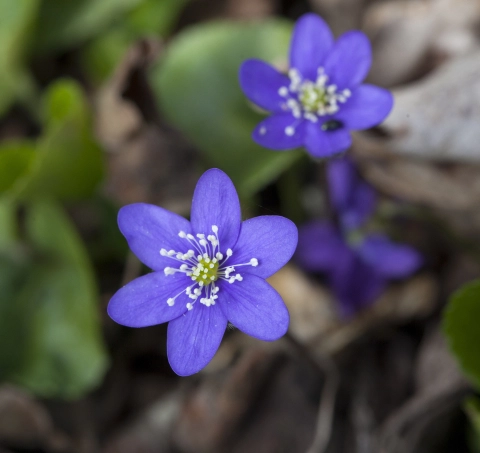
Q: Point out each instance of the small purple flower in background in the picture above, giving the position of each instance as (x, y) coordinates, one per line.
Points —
(322, 97)
(357, 271)
(352, 198)
(358, 267)
(207, 272)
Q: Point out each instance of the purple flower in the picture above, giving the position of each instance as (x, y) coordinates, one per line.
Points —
(352, 198)
(322, 97)
(357, 270)
(207, 272)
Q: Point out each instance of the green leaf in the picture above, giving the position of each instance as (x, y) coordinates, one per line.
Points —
(156, 17)
(65, 356)
(68, 164)
(66, 23)
(16, 159)
(461, 326)
(197, 86)
(150, 18)
(472, 409)
(16, 21)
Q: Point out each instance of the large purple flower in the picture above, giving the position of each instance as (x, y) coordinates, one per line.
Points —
(352, 198)
(207, 272)
(357, 270)
(322, 97)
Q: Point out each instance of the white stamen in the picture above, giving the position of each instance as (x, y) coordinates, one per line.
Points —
(263, 130)
(203, 269)
(311, 99)
(289, 130)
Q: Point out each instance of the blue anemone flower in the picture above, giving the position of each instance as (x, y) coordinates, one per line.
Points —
(358, 266)
(357, 270)
(206, 272)
(322, 96)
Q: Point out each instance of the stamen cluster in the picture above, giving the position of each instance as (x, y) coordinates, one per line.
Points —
(311, 100)
(204, 263)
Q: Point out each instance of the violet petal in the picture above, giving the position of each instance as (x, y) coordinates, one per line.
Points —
(353, 199)
(143, 301)
(260, 82)
(311, 41)
(368, 106)
(270, 239)
(320, 247)
(194, 337)
(254, 307)
(355, 284)
(271, 132)
(149, 228)
(326, 143)
(349, 61)
(215, 202)
(389, 259)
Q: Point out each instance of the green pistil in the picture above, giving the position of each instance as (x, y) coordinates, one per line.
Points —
(355, 238)
(312, 97)
(205, 271)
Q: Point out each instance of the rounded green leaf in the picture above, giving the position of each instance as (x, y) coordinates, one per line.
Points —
(197, 87)
(461, 326)
(16, 23)
(65, 356)
(16, 159)
(66, 23)
(68, 164)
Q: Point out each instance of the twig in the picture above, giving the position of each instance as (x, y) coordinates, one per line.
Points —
(323, 430)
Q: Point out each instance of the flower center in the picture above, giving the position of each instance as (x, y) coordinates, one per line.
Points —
(205, 271)
(204, 263)
(311, 100)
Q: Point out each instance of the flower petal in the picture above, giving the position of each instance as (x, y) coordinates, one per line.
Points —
(355, 284)
(193, 338)
(149, 228)
(311, 41)
(368, 106)
(254, 307)
(341, 177)
(360, 208)
(271, 134)
(320, 247)
(352, 198)
(143, 301)
(270, 239)
(349, 61)
(215, 202)
(326, 143)
(260, 82)
(389, 259)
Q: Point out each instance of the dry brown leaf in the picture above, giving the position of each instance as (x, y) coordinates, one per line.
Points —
(410, 37)
(215, 409)
(147, 160)
(428, 417)
(437, 118)
(150, 431)
(26, 424)
(315, 323)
